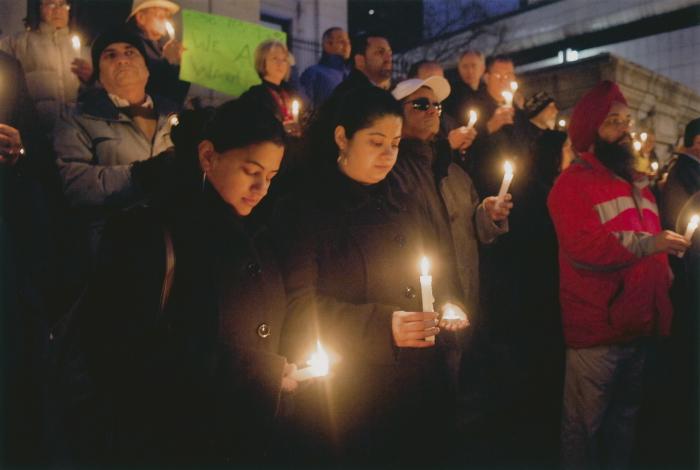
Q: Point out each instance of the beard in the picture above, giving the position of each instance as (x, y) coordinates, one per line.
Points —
(617, 156)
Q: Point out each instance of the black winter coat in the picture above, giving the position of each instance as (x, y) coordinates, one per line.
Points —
(353, 261)
(199, 383)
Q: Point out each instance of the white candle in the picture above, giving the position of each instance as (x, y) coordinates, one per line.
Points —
(295, 110)
(170, 29)
(654, 167)
(75, 40)
(472, 120)
(692, 225)
(319, 365)
(507, 178)
(426, 289)
(513, 86)
(508, 97)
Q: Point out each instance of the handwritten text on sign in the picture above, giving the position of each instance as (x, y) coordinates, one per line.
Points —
(220, 51)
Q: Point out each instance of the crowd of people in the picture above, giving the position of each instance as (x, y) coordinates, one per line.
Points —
(486, 286)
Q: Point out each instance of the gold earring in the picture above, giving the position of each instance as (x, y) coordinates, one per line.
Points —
(204, 179)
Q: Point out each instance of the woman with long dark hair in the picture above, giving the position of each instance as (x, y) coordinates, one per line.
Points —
(182, 325)
(352, 270)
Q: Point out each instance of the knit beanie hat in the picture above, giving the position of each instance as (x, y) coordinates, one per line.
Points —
(536, 103)
(691, 130)
(106, 39)
(590, 112)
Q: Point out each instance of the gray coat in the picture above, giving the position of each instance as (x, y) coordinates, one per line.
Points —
(96, 146)
(425, 169)
(46, 55)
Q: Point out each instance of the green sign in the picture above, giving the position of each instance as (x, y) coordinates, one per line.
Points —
(220, 51)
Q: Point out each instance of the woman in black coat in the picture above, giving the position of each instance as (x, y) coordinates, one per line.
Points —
(352, 266)
(198, 381)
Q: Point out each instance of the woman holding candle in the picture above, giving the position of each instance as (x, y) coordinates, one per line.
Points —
(273, 63)
(54, 68)
(352, 271)
(192, 374)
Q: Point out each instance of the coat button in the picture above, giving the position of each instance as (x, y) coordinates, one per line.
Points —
(253, 269)
(400, 239)
(410, 292)
(264, 330)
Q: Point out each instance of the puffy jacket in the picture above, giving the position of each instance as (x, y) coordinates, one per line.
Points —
(613, 289)
(46, 55)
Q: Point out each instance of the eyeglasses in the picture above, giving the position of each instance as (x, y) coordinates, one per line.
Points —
(617, 122)
(424, 104)
(54, 5)
(502, 76)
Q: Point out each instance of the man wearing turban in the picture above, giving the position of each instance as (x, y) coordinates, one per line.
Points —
(614, 281)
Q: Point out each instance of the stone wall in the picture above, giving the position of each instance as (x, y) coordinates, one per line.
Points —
(657, 102)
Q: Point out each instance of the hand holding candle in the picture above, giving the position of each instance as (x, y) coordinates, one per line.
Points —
(319, 366)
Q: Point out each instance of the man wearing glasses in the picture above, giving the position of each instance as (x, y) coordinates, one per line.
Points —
(424, 168)
(614, 281)
(54, 69)
(148, 21)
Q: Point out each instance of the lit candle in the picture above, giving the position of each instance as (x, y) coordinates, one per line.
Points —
(692, 225)
(295, 110)
(472, 120)
(451, 312)
(654, 167)
(319, 365)
(513, 86)
(508, 97)
(637, 146)
(174, 121)
(75, 40)
(507, 178)
(170, 29)
(562, 123)
(426, 289)
(643, 136)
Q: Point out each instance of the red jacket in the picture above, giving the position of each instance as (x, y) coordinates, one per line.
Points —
(612, 289)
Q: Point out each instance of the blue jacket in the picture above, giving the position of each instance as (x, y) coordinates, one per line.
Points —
(319, 81)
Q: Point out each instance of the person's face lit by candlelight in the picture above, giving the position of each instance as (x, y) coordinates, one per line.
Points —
(55, 13)
(471, 67)
(122, 70)
(421, 117)
(276, 65)
(369, 154)
(498, 78)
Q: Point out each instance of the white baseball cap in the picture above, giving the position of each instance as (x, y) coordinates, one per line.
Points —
(143, 4)
(439, 85)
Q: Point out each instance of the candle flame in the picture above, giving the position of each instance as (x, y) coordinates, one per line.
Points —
(562, 123)
(472, 118)
(75, 39)
(654, 167)
(637, 145)
(694, 221)
(513, 86)
(424, 266)
(295, 108)
(319, 362)
(643, 136)
(170, 29)
(174, 121)
(508, 168)
(453, 312)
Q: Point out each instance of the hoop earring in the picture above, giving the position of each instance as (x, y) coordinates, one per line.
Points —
(204, 180)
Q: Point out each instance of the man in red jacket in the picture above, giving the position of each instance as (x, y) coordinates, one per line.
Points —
(614, 281)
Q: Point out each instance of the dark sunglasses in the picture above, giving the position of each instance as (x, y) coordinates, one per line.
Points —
(424, 104)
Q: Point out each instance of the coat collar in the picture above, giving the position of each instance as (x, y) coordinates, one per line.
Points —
(96, 102)
(333, 61)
